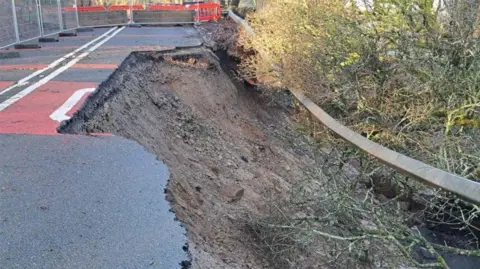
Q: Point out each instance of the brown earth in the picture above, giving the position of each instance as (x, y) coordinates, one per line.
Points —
(228, 149)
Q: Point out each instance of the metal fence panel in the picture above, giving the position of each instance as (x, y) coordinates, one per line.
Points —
(102, 13)
(163, 16)
(50, 16)
(7, 24)
(166, 12)
(35, 18)
(28, 19)
(69, 14)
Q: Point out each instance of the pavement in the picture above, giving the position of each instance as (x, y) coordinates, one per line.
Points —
(80, 201)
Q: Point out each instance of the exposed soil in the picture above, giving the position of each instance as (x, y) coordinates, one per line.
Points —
(227, 148)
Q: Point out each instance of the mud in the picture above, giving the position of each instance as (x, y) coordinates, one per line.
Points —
(227, 148)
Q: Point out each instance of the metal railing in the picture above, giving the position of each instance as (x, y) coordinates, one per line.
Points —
(25, 20)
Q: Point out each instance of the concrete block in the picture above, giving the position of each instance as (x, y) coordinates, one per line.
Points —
(27, 46)
(9, 54)
(48, 39)
(66, 34)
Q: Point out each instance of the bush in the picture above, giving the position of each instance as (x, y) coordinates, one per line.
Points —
(402, 75)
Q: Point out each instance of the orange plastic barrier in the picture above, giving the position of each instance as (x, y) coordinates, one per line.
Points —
(69, 9)
(205, 11)
(125, 7)
(167, 7)
(208, 12)
(91, 8)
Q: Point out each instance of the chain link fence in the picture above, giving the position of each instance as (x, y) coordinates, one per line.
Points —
(24, 20)
(102, 13)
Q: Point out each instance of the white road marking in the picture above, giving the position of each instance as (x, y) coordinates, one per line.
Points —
(61, 113)
(25, 80)
(55, 73)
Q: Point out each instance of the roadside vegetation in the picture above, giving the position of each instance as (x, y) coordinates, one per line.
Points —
(405, 75)
(402, 73)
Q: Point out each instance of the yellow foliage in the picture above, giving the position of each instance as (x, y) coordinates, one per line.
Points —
(390, 70)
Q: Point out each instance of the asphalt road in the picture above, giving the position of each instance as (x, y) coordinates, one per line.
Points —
(84, 202)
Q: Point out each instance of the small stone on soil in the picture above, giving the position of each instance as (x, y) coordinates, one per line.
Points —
(238, 196)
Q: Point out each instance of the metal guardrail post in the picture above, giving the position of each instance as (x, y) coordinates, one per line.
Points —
(15, 22)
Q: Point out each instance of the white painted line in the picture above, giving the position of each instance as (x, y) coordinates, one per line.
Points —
(25, 80)
(55, 73)
(61, 113)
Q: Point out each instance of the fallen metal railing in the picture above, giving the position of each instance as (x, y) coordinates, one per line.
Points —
(464, 188)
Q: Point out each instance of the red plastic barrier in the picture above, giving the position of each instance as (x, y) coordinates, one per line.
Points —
(208, 12)
(205, 11)
(167, 7)
(68, 9)
(125, 7)
(91, 8)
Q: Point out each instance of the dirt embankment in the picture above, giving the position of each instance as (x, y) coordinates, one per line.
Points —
(228, 150)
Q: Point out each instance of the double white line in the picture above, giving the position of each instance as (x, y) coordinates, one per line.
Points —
(104, 38)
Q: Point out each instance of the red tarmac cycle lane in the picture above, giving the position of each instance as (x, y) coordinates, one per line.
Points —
(31, 114)
(5, 84)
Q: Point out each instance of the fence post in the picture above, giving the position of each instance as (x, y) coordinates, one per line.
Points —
(40, 16)
(76, 14)
(15, 22)
(60, 16)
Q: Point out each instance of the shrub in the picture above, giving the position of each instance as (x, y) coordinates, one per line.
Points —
(402, 75)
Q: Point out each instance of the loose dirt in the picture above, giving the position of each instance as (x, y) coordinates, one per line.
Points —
(228, 149)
